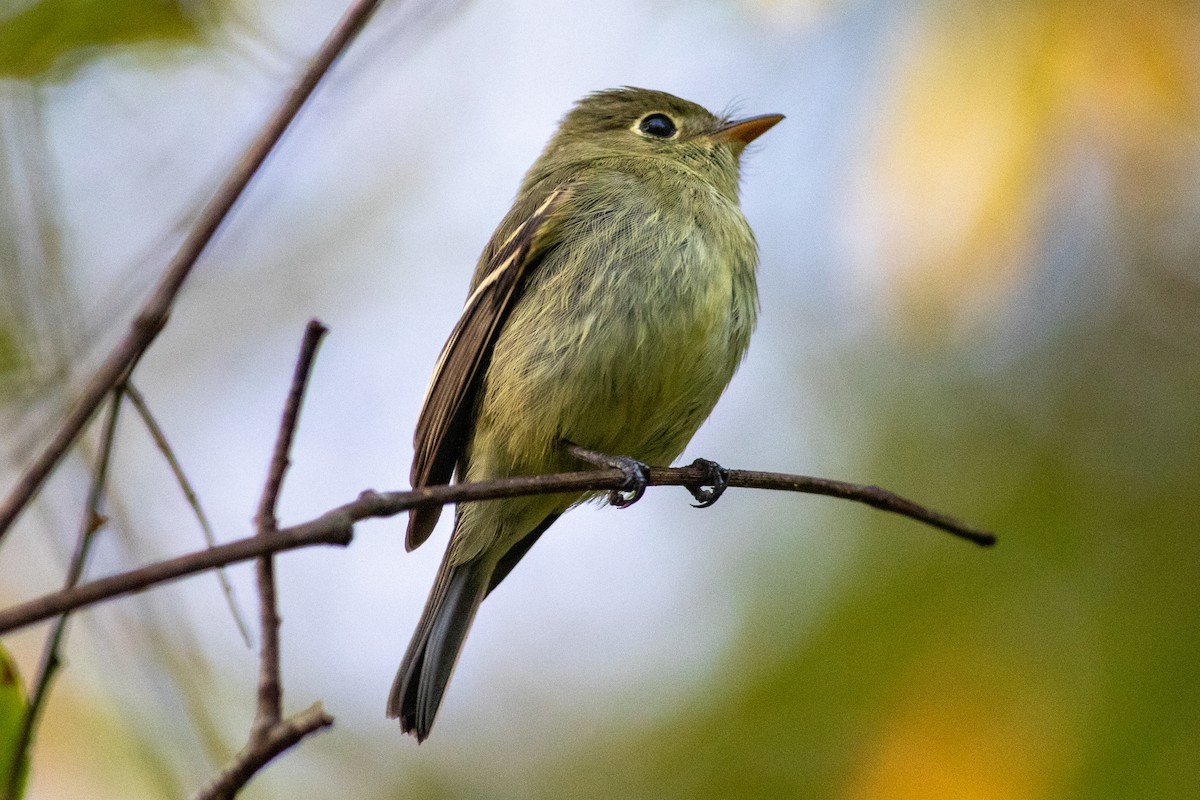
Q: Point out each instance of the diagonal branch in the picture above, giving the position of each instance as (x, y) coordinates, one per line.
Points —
(189, 494)
(152, 316)
(89, 525)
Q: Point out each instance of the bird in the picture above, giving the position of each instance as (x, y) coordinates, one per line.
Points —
(605, 317)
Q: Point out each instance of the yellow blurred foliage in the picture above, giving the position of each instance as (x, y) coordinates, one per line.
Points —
(967, 727)
(990, 103)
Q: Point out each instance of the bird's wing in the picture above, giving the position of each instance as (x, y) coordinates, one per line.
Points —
(446, 416)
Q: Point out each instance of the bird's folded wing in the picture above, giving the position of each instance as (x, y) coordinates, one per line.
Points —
(446, 416)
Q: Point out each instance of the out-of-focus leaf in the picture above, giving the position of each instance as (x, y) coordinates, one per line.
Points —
(12, 712)
(51, 38)
(989, 115)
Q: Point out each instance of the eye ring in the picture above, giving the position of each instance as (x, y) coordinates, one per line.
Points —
(657, 126)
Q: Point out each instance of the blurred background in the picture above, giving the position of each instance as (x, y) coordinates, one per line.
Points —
(980, 237)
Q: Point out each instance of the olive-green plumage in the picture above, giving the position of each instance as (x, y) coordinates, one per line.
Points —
(609, 310)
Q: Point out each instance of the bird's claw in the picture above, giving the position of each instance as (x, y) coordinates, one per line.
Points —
(635, 482)
(717, 477)
(635, 472)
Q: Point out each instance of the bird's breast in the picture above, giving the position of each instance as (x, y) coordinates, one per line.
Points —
(625, 337)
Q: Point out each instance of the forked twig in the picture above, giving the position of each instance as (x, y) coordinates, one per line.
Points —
(270, 692)
(282, 736)
(270, 733)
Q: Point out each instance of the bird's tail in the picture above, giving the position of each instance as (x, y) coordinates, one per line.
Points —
(425, 670)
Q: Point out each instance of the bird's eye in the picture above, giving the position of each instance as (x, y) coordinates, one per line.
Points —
(660, 126)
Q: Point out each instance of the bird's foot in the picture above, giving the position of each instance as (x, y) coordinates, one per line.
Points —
(635, 473)
(717, 478)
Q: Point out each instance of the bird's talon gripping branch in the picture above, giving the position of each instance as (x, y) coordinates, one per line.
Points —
(717, 478)
(635, 482)
(635, 473)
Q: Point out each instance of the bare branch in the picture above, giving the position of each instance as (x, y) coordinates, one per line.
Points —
(91, 522)
(270, 688)
(873, 496)
(333, 531)
(265, 518)
(270, 734)
(257, 754)
(335, 527)
(152, 316)
(189, 494)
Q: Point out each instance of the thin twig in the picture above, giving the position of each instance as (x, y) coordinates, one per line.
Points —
(874, 496)
(265, 517)
(135, 580)
(91, 522)
(256, 755)
(268, 709)
(270, 734)
(335, 527)
(193, 500)
(270, 689)
(152, 316)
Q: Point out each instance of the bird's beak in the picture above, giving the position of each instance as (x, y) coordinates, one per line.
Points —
(742, 132)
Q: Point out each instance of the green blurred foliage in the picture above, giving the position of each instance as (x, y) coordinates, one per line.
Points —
(12, 716)
(52, 38)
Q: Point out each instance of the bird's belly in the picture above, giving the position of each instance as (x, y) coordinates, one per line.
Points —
(634, 373)
(644, 390)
